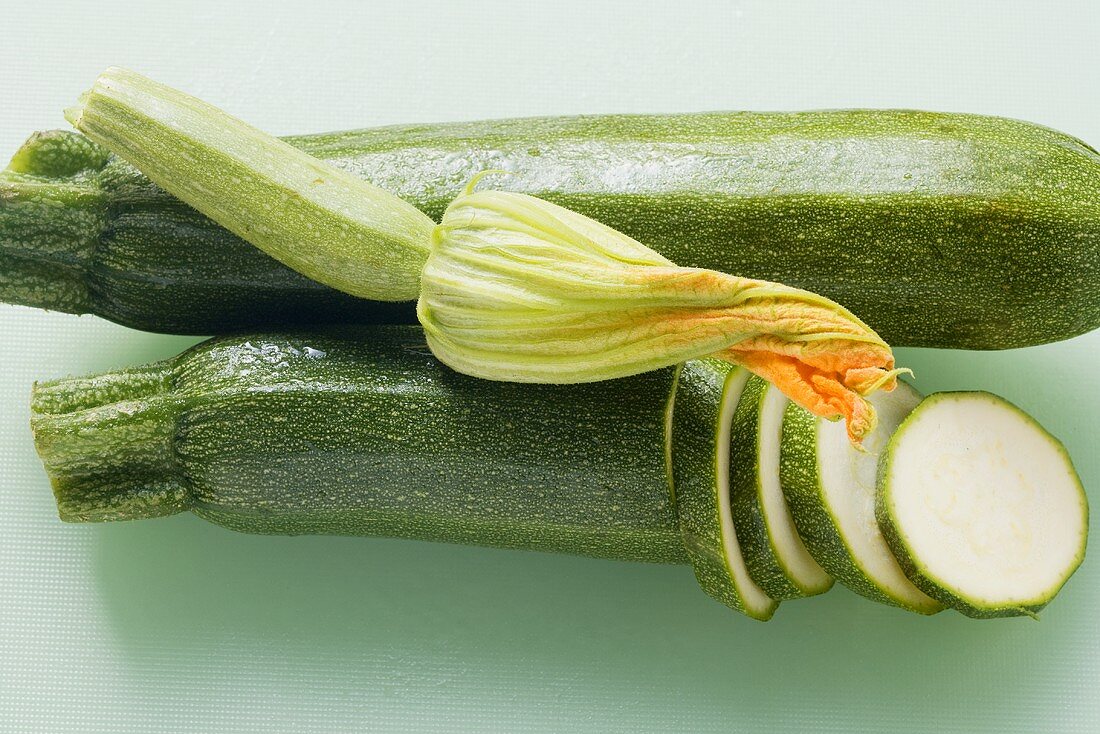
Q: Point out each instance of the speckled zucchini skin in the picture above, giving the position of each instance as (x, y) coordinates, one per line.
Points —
(939, 230)
(362, 432)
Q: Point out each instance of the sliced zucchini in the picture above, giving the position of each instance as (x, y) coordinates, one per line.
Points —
(777, 559)
(981, 506)
(706, 399)
(830, 487)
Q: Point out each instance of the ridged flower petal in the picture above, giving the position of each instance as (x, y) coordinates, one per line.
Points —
(522, 290)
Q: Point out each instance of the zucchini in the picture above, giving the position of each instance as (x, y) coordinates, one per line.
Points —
(360, 431)
(970, 221)
(777, 558)
(830, 487)
(364, 433)
(981, 506)
(706, 398)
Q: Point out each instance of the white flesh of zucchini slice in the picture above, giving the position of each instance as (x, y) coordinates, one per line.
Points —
(853, 549)
(754, 597)
(981, 505)
(797, 563)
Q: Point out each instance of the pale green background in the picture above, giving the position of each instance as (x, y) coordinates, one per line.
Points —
(174, 625)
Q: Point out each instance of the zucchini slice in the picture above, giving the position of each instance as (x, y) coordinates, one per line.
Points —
(830, 487)
(777, 558)
(706, 398)
(981, 506)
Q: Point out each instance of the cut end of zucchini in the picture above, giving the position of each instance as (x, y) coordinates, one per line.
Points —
(57, 154)
(776, 556)
(792, 553)
(981, 506)
(757, 602)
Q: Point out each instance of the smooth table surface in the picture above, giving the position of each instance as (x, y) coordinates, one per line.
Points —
(178, 626)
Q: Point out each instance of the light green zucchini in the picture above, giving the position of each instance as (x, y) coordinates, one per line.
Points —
(331, 226)
(981, 506)
(706, 399)
(830, 488)
(988, 228)
(776, 556)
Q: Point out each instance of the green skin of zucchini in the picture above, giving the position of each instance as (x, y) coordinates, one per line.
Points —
(695, 427)
(747, 504)
(799, 476)
(988, 229)
(365, 433)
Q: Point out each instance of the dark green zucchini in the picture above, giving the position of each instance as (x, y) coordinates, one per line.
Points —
(938, 230)
(365, 433)
(360, 431)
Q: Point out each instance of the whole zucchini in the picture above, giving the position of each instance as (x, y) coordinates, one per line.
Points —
(939, 230)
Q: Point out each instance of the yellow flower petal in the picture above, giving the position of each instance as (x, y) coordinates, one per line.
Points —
(522, 290)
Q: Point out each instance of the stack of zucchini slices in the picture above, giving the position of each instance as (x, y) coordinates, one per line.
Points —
(959, 500)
